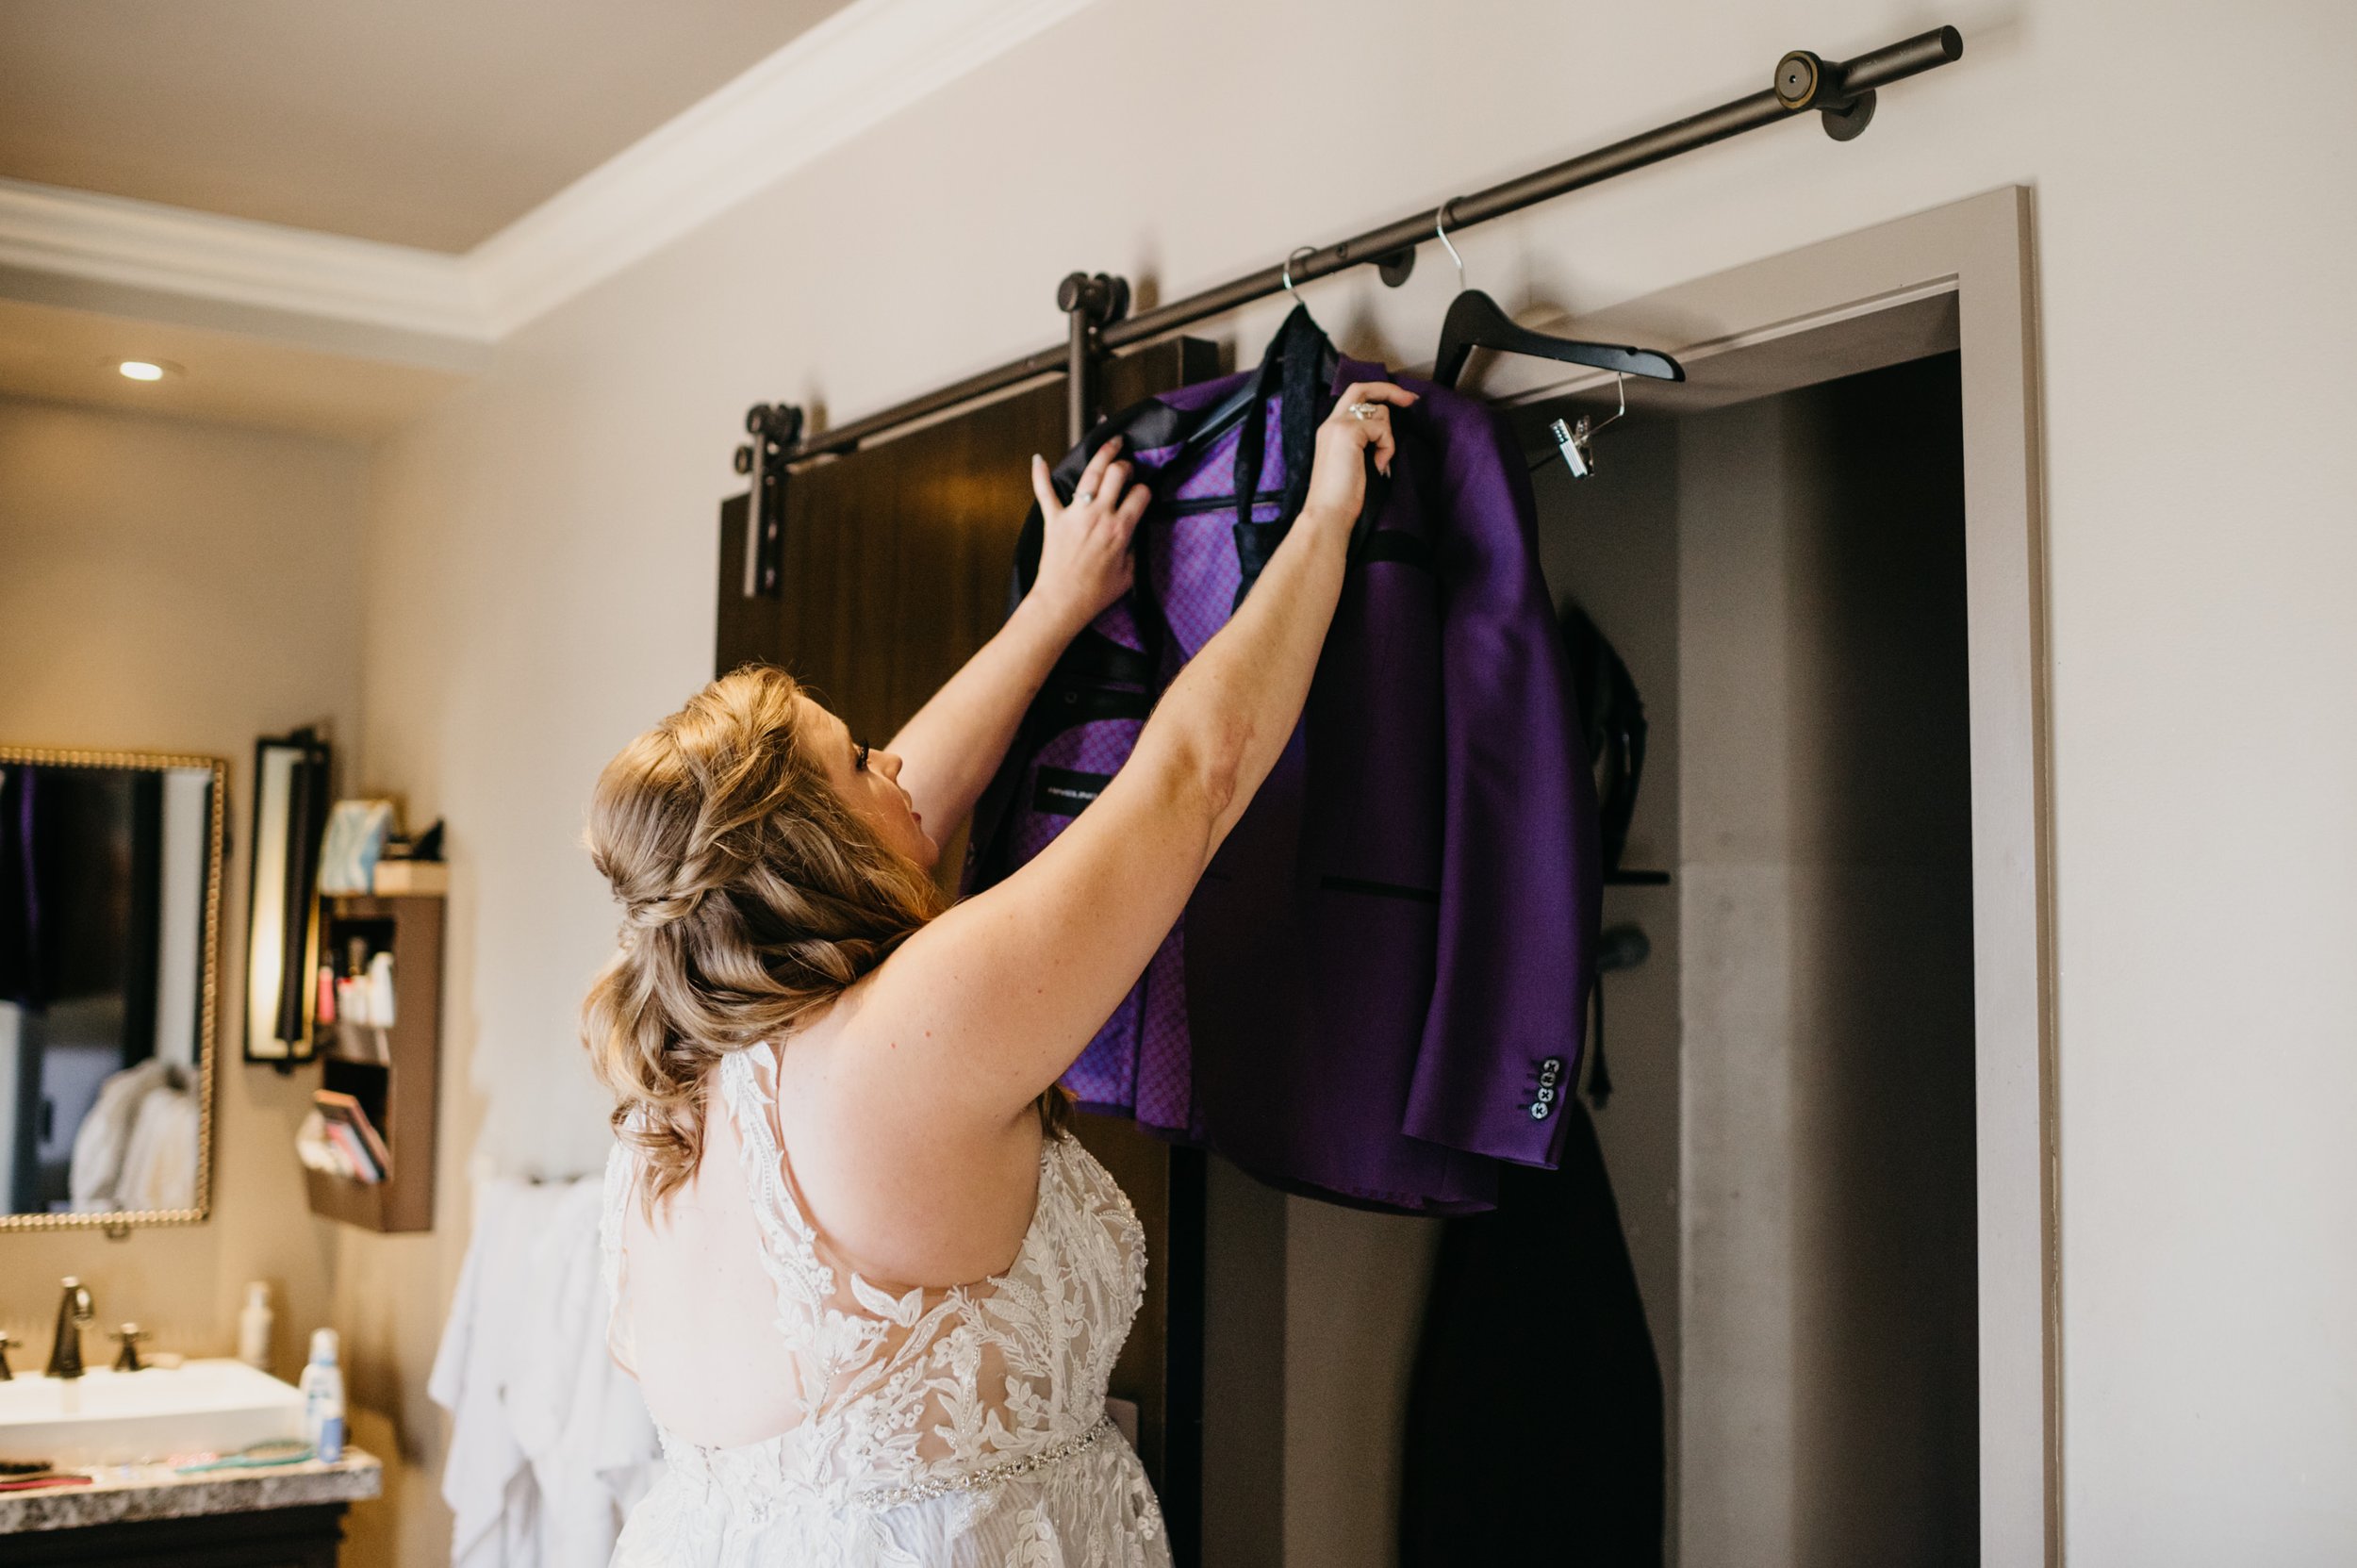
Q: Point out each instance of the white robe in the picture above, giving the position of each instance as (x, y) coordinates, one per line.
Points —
(552, 1445)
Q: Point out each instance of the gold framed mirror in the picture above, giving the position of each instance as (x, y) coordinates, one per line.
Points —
(110, 913)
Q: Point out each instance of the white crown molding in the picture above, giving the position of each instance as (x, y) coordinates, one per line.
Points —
(862, 65)
(859, 67)
(77, 235)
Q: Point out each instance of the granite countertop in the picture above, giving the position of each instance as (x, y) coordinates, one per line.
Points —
(130, 1491)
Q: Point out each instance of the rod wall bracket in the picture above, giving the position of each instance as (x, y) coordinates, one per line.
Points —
(1090, 305)
(1805, 80)
(774, 428)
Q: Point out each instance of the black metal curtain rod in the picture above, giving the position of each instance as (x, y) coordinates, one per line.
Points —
(1842, 94)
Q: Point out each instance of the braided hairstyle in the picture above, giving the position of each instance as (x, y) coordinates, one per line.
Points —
(752, 896)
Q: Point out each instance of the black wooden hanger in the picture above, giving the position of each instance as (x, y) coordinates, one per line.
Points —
(1475, 322)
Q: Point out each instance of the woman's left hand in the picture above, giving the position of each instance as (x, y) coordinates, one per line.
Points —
(1084, 559)
(1360, 424)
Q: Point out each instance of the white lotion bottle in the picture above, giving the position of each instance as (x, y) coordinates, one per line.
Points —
(254, 1327)
(324, 1398)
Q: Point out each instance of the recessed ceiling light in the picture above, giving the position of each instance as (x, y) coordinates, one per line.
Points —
(144, 369)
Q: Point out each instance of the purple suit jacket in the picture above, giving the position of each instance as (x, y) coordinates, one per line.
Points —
(1377, 990)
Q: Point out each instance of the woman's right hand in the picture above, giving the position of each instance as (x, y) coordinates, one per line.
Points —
(1084, 559)
(1338, 479)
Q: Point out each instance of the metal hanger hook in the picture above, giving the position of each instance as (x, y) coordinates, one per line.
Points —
(1439, 232)
(1287, 276)
(1621, 382)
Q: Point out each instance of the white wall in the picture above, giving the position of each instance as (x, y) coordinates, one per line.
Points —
(174, 586)
(542, 565)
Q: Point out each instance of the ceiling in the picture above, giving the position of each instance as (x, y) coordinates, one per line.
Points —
(425, 123)
(65, 356)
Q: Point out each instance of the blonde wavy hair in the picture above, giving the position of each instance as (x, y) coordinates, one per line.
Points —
(752, 896)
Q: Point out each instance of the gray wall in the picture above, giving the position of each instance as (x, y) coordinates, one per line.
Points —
(1827, 1386)
(1610, 541)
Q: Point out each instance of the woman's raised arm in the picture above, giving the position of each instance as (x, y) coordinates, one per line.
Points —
(986, 1006)
(955, 743)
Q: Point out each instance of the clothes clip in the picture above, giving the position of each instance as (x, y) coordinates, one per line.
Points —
(1575, 439)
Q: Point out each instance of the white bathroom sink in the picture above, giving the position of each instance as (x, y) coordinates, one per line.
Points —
(105, 1417)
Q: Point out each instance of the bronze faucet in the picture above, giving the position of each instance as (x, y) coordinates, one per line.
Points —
(65, 1353)
(6, 1343)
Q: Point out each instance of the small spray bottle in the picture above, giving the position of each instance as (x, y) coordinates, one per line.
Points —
(324, 1398)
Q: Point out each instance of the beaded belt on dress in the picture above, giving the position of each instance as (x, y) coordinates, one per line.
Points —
(990, 1474)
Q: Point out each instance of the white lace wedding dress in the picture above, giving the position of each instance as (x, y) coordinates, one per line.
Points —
(940, 1428)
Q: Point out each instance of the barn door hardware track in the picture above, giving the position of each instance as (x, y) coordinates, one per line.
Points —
(1842, 93)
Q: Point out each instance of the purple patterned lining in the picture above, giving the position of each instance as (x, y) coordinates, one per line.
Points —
(1141, 1062)
(1106, 1072)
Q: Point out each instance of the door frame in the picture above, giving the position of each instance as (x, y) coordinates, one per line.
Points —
(1960, 276)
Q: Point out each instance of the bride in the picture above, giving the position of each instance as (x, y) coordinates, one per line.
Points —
(870, 1288)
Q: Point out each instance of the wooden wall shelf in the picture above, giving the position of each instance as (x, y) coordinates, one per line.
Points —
(400, 1094)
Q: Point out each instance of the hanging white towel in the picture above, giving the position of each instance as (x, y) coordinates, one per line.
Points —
(160, 1157)
(103, 1145)
(551, 1445)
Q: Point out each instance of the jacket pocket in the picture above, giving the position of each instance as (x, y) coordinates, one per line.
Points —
(1381, 889)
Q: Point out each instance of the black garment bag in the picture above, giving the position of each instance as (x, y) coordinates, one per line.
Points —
(1534, 1416)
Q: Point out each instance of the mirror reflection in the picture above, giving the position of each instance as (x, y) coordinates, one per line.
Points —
(109, 890)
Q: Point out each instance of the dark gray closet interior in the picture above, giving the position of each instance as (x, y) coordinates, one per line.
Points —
(1791, 1135)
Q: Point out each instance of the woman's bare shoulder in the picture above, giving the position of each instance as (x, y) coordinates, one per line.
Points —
(904, 1193)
